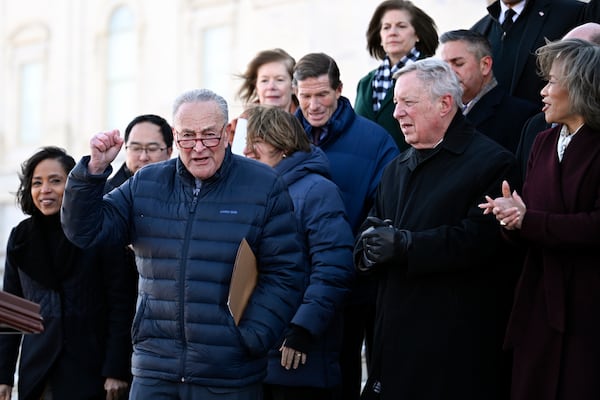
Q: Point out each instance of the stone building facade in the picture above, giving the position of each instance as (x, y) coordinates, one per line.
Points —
(70, 68)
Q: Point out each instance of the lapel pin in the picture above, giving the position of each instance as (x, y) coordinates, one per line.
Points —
(541, 13)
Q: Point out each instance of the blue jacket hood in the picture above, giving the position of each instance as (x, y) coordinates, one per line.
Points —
(299, 164)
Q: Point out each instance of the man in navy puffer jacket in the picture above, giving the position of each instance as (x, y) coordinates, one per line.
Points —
(185, 218)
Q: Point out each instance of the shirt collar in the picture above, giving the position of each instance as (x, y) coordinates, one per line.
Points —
(517, 8)
(564, 131)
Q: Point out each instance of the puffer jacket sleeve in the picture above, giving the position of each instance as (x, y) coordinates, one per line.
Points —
(88, 220)
(281, 262)
(329, 239)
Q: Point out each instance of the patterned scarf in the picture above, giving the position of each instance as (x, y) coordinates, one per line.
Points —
(383, 80)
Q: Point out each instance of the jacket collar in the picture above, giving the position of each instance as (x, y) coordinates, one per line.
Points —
(456, 140)
(340, 121)
(189, 179)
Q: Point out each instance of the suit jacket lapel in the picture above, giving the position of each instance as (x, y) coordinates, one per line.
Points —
(535, 22)
(485, 107)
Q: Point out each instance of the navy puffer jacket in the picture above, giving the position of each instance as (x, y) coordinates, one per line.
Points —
(185, 247)
(358, 150)
(322, 217)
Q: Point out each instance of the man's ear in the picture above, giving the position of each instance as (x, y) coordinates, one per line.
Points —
(230, 132)
(485, 65)
(445, 104)
(338, 91)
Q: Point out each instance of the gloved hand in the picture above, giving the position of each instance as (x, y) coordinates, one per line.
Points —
(360, 260)
(382, 244)
(374, 221)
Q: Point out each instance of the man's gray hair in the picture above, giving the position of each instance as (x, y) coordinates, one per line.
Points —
(438, 78)
(198, 96)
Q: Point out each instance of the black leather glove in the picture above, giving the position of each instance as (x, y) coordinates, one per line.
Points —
(374, 222)
(362, 263)
(382, 244)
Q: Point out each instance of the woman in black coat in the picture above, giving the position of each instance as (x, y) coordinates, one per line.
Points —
(87, 298)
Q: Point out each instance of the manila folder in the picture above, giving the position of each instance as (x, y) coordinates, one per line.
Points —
(243, 281)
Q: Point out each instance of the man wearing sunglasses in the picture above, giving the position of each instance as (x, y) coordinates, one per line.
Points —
(185, 219)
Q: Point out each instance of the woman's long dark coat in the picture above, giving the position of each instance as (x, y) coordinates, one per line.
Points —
(555, 324)
(87, 302)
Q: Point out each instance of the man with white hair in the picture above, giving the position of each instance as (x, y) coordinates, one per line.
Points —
(185, 219)
(445, 285)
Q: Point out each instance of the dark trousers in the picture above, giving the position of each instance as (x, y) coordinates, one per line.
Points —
(157, 389)
(277, 392)
(359, 320)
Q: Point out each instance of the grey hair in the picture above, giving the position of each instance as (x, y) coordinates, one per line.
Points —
(199, 96)
(438, 78)
(578, 69)
(476, 43)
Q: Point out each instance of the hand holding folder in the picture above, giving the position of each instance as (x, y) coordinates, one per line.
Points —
(243, 281)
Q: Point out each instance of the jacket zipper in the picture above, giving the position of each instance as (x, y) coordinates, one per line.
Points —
(182, 285)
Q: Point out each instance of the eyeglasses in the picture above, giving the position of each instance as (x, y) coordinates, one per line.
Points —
(188, 139)
(151, 149)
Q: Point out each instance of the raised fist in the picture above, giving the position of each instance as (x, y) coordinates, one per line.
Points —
(104, 147)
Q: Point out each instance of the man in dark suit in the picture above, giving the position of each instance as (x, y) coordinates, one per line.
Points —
(486, 104)
(537, 123)
(531, 23)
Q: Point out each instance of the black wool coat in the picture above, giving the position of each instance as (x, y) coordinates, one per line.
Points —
(87, 302)
(441, 312)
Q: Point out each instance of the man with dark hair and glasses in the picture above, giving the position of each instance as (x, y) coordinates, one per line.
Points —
(185, 219)
(148, 139)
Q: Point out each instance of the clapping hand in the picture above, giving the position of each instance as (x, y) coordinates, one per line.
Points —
(508, 209)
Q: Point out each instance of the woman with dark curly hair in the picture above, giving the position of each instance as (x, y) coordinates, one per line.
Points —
(87, 298)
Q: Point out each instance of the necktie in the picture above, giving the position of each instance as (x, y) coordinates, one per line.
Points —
(508, 19)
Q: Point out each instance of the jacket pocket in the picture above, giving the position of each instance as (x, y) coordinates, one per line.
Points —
(139, 315)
